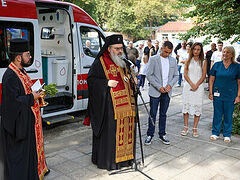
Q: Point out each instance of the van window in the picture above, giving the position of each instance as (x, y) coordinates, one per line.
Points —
(47, 33)
(11, 30)
(92, 41)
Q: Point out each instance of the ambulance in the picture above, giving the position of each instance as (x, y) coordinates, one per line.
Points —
(64, 40)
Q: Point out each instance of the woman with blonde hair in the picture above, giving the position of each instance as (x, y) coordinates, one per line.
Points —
(195, 69)
(224, 90)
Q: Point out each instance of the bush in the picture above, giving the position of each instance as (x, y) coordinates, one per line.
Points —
(236, 119)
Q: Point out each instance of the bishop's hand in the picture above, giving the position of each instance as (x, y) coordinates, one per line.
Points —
(112, 83)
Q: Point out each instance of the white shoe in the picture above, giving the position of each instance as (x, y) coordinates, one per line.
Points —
(148, 140)
(195, 133)
(214, 137)
(227, 139)
(184, 131)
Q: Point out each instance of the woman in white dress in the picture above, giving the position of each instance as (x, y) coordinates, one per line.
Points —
(194, 73)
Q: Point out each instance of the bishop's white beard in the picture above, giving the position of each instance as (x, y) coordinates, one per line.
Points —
(118, 60)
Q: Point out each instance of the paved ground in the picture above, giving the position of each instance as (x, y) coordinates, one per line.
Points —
(68, 152)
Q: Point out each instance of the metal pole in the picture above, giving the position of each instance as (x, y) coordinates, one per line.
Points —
(139, 129)
(136, 92)
(140, 138)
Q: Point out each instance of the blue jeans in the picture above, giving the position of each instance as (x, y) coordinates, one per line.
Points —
(180, 75)
(138, 62)
(164, 103)
(222, 109)
(142, 80)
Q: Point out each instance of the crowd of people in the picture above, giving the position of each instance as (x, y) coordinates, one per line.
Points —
(217, 66)
(112, 107)
(190, 68)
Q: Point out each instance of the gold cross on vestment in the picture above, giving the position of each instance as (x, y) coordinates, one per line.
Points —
(113, 70)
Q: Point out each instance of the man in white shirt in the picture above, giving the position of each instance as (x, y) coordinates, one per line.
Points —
(162, 74)
(140, 52)
(181, 55)
(217, 55)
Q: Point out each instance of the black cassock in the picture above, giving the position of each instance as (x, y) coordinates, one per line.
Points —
(17, 129)
(100, 109)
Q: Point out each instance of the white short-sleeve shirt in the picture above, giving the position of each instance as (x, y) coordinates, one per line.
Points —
(216, 56)
(183, 55)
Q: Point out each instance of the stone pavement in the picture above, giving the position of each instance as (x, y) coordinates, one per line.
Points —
(185, 158)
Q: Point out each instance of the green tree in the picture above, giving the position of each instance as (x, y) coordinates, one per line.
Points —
(215, 18)
(87, 5)
(121, 17)
(236, 119)
(155, 12)
(147, 13)
(102, 11)
(129, 16)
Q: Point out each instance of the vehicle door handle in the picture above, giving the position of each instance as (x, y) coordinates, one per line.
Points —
(87, 66)
(32, 71)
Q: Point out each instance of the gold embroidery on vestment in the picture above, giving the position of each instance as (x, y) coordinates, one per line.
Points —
(113, 70)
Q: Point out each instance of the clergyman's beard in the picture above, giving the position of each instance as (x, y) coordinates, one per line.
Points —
(117, 60)
(23, 64)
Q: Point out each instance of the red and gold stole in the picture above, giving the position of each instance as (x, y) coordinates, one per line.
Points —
(124, 108)
(27, 84)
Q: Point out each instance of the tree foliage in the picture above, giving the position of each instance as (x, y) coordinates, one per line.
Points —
(88, 5)
(129, 16)
(146, 11)
(121, 17)
(236, 119)
(215, 18)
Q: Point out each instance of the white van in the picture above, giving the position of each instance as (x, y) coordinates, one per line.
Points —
(57, 32)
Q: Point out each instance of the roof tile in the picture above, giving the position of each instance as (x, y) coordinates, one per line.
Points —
(179, 26)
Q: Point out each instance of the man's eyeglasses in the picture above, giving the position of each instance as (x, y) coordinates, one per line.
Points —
(28, 55)
(118, 49)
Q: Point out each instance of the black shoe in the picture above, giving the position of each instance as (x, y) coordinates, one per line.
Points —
(164, 140)
(148, 140)
(47, 172)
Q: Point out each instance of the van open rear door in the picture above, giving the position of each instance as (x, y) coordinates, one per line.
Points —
(55, 24)
(91, 39)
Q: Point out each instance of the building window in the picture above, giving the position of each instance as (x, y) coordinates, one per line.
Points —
(173, 36)
(164, 36)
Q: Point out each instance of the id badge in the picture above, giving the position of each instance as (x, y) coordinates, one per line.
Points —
(216, 94)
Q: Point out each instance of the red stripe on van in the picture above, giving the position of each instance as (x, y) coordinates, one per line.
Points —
(82, 81)
(79, 14)
(19, 9)
(27, 9)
